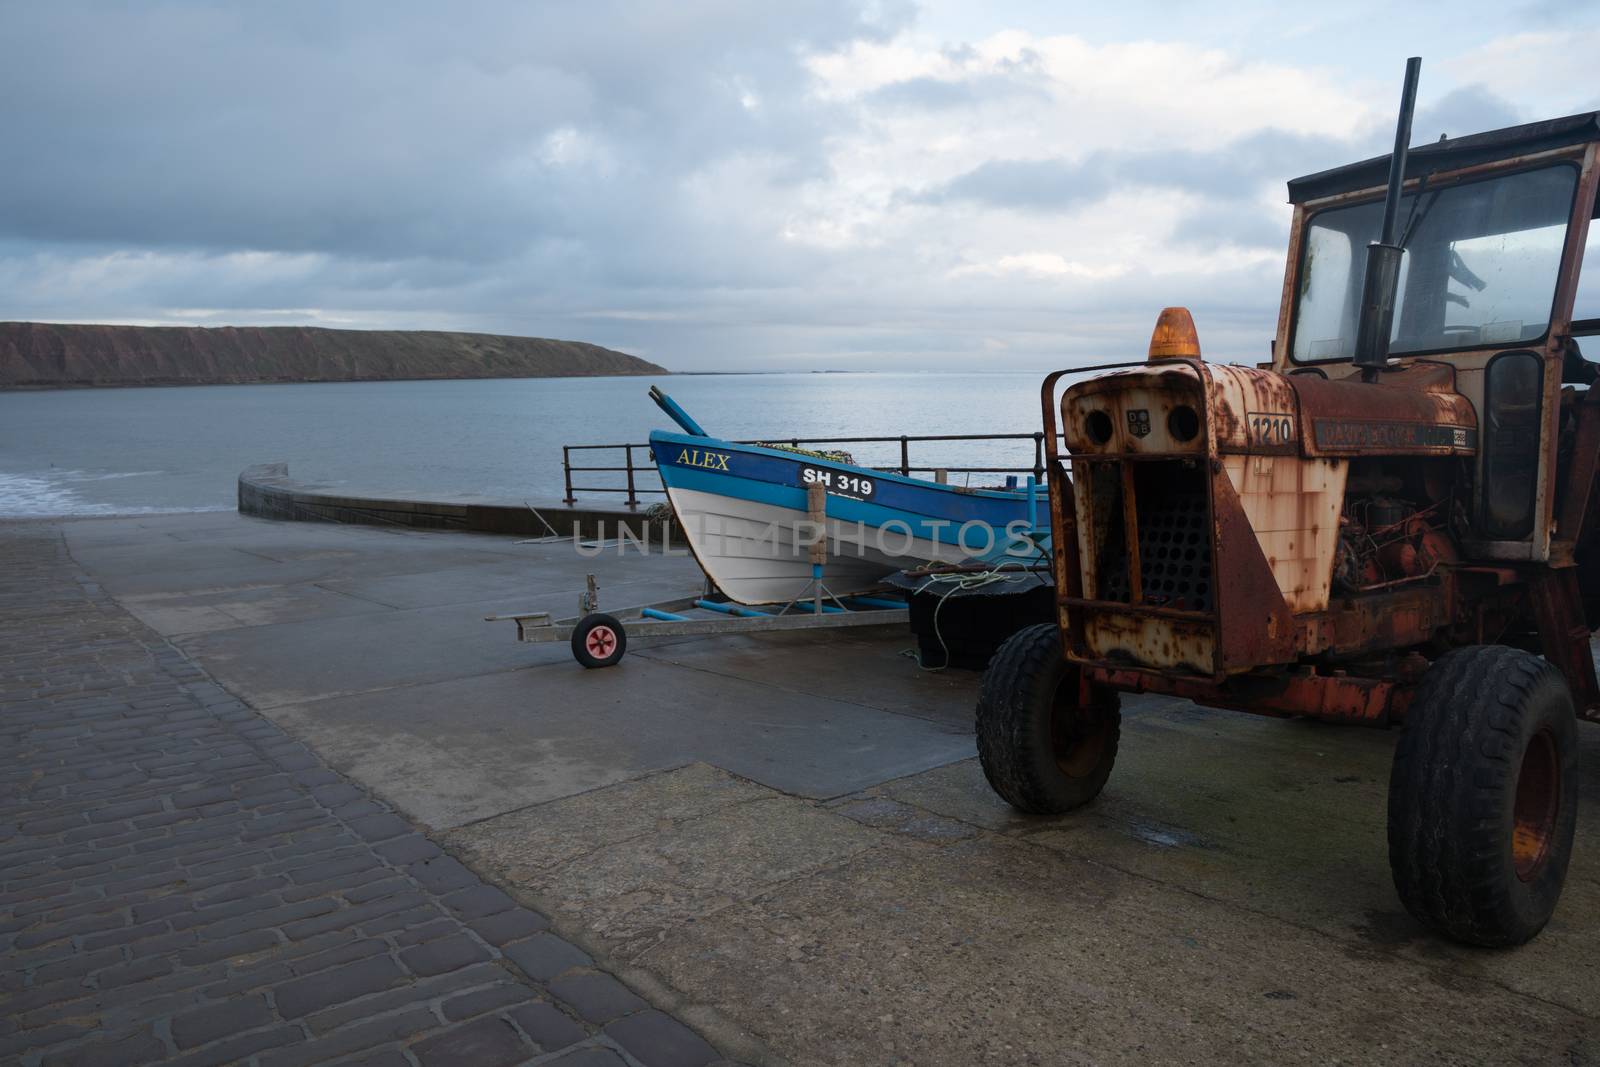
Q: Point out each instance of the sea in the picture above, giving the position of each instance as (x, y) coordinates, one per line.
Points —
(97, 452)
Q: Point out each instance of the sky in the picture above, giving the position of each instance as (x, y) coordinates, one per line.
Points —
(717, 185)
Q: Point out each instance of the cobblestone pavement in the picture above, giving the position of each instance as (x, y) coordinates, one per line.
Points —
(183, 882)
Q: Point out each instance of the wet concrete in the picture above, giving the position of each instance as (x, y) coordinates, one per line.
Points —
(787, 839)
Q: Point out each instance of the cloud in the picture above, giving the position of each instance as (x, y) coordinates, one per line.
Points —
(1028, 184)
(384, 130)
(1012, 85)
(710, 183)
(1039, 264)
(1460, 111)
(1548, 72)
(1234, 171)
(926, 93)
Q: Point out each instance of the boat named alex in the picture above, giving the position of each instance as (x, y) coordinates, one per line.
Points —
(744, 511)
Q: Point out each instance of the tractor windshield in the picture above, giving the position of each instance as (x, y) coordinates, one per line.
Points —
(1479, 269)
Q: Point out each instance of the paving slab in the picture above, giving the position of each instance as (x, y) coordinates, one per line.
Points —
(625, 580)
(866, 667)
(657, 853)
(631, 893)
(211, 527)
(185, 566)
(465, 749)
(230, 527)
(541, 837)
(181, 613)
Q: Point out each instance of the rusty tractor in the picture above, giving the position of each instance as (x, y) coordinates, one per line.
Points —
(1394, 522)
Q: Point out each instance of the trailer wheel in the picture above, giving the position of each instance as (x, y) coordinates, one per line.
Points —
(599, 641)
(1042, 750)
(1483, 797)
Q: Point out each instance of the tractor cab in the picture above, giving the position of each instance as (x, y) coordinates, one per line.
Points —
(1493, 227)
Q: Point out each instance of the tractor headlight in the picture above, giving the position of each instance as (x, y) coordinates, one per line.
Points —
(1182, 423)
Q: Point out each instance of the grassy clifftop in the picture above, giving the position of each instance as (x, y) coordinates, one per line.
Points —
(41, 355)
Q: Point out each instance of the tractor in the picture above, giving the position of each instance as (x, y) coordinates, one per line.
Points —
(1394, 522)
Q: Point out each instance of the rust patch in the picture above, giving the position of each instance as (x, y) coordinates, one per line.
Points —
(1253, 410)
(1400, 618)
(1335, 698)
(1558, 606)
(1148, 641)
(1131, 412)
(1411, 411)
(1255, 623)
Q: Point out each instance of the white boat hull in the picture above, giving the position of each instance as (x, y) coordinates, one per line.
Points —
(759, 553)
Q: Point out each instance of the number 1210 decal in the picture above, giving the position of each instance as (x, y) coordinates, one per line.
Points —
(1272, 431)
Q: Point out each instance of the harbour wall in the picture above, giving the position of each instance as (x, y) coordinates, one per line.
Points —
(266, 491)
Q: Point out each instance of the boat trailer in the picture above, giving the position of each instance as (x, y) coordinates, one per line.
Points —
(600, 639)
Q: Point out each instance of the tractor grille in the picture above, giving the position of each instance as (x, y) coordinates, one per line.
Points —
(1175, 568)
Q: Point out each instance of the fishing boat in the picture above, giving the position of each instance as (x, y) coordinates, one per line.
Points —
(746, 511)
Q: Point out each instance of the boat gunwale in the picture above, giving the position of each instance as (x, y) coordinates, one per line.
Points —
(1020, 493)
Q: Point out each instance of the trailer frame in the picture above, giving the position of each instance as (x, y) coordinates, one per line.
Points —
(716, 615)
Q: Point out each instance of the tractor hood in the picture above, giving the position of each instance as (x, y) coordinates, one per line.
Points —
(1178, 407)
(1411, 411)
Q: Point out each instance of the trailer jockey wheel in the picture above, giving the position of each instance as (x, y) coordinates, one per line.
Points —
(599, 640)
(1043, 750)
(1483, 798)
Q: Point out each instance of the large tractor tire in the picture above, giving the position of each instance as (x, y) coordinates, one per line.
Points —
(1483, 797)
(1041, 750)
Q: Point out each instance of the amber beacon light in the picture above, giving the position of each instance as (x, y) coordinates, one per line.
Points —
(1174, 336)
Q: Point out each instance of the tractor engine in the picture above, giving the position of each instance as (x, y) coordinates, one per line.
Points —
(1389, 535)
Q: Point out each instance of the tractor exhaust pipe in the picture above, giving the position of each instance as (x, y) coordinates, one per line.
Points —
(1383, 255)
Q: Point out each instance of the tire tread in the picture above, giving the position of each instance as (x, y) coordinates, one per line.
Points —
(1024, 670)
(1448, 791)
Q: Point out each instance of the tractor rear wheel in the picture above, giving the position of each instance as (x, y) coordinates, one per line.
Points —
(1483, 797)
(1043, 749)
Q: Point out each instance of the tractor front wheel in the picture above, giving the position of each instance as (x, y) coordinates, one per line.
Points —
(1044, 748)
(1483, 797)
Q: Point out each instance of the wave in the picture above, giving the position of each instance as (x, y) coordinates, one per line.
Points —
(81, 476)
(33, 496)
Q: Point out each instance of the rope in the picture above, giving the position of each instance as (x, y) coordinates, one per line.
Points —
(961, 582)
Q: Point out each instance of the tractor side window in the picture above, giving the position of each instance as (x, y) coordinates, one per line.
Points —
(1586, 305)
(1514, 393)
(1578, 367)
(1329, 286)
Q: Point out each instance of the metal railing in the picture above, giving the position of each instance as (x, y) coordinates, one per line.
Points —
(632, 470)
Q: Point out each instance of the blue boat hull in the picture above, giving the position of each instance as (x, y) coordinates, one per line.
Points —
(743, 509)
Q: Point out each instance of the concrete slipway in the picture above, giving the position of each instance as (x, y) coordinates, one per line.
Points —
(787, 841)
